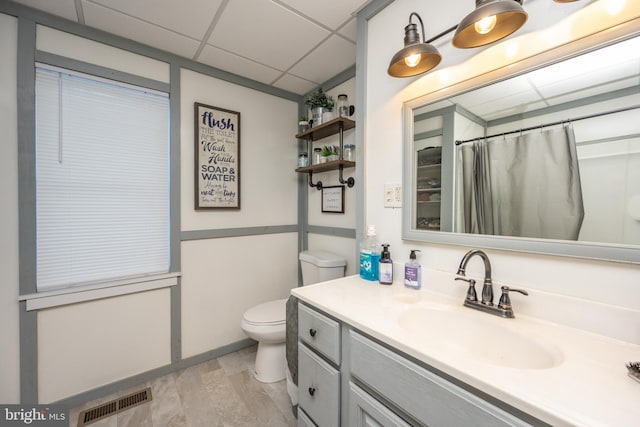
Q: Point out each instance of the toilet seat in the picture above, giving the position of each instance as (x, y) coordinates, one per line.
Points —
(271, 313)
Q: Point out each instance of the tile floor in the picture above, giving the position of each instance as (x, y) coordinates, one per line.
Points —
(221, 392)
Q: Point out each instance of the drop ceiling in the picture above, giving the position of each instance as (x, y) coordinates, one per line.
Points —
(294, 45)
(598, 72)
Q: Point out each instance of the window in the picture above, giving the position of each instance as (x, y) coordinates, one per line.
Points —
(102, 180)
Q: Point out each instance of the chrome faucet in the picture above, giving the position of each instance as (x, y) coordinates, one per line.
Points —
(504, 308)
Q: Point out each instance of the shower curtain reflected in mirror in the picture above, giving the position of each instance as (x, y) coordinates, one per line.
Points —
(523, 186)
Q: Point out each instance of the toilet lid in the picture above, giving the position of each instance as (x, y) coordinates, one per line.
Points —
(268, 313)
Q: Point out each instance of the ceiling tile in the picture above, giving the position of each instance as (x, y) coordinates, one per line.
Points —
(189, 17)
(134, 29)
(329, 59)
(484, 103)
(63, 8)
(294, 84)
(330, 13)
(235, 64)
(350, 30)
(265, 32)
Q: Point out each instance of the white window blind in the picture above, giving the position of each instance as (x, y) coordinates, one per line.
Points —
(102, 180)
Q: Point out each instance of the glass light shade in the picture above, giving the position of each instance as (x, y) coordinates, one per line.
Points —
(509, 17)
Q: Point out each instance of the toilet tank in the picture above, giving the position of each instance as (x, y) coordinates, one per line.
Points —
(319, 266)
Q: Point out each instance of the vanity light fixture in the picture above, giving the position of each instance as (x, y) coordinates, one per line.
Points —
(492, 20)
(418, 56)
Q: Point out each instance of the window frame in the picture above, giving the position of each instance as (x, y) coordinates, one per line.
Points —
(34, 299)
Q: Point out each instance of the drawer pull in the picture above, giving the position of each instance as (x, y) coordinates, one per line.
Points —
(312, 332)
(312, 391)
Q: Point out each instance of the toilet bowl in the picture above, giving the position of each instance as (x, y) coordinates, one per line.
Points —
(266, 322)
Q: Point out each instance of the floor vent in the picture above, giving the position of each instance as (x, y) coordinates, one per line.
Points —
(91, 415)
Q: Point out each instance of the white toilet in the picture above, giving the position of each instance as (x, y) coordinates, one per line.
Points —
(266, 322)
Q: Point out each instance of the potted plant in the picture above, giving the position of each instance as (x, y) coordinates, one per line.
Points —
(330, 153)
(319, 103)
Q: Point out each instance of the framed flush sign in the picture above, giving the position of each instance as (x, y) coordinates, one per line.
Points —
(333, 199)
(217, 158)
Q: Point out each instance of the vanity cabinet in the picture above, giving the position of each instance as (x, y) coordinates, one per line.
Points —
(366, 411)
(319, 356)
(419, 392)
(370, 384)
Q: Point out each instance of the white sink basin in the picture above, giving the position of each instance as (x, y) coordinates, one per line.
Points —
(485, 340)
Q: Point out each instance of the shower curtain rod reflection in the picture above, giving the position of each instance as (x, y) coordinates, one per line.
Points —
(575, 119)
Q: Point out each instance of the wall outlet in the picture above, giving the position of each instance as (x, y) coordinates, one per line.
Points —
(392, 195)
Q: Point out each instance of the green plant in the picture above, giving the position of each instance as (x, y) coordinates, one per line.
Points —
(319, 99)
(329, 151)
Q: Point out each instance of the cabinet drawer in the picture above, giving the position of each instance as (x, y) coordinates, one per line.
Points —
(318, 388)
(419, 392)
(319, 332)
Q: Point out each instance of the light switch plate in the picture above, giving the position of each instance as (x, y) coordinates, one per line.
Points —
(392, 195)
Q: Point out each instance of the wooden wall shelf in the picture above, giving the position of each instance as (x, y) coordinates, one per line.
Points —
(332, 127)
(329, 128)
(328, 166)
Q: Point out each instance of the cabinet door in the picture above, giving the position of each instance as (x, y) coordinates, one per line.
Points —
(365, 411)
(304, 420)
(419, 392)
(318, 388)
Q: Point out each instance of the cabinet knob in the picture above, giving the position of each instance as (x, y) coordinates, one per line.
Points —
(312, 332)
(312, 391)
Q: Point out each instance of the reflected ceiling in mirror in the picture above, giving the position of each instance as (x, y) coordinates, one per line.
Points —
(547, 161)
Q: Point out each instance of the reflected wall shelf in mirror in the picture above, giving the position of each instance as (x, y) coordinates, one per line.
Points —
(597, 91)
(333, 127)
(428, 188)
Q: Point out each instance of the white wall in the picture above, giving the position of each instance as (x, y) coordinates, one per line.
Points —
(609, 288)
(83, 346)
(91, 344)
(9, 331)
(224, 277)
(343, 246)
(268, 155)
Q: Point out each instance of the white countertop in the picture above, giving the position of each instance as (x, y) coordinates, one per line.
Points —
(588, 387)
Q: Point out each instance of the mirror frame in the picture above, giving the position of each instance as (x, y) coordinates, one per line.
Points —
(589, 250)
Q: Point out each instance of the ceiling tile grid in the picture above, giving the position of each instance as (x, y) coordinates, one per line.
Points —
(134, 28)
(293, 45)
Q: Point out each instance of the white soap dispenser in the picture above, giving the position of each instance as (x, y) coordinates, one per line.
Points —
(413, 272)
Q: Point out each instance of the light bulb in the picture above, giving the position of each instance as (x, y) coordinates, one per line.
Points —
(412, 60)
(615, 7)
(485, 25)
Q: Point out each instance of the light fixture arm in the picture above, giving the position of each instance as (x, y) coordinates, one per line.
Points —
(421, 24)
(442, 34)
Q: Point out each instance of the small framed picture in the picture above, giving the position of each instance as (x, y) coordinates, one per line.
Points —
(333, 199)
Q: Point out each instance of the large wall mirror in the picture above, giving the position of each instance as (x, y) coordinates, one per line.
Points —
(546, 161)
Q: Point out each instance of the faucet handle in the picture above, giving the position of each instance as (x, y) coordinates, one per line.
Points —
(471, 291)
(505, 301)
